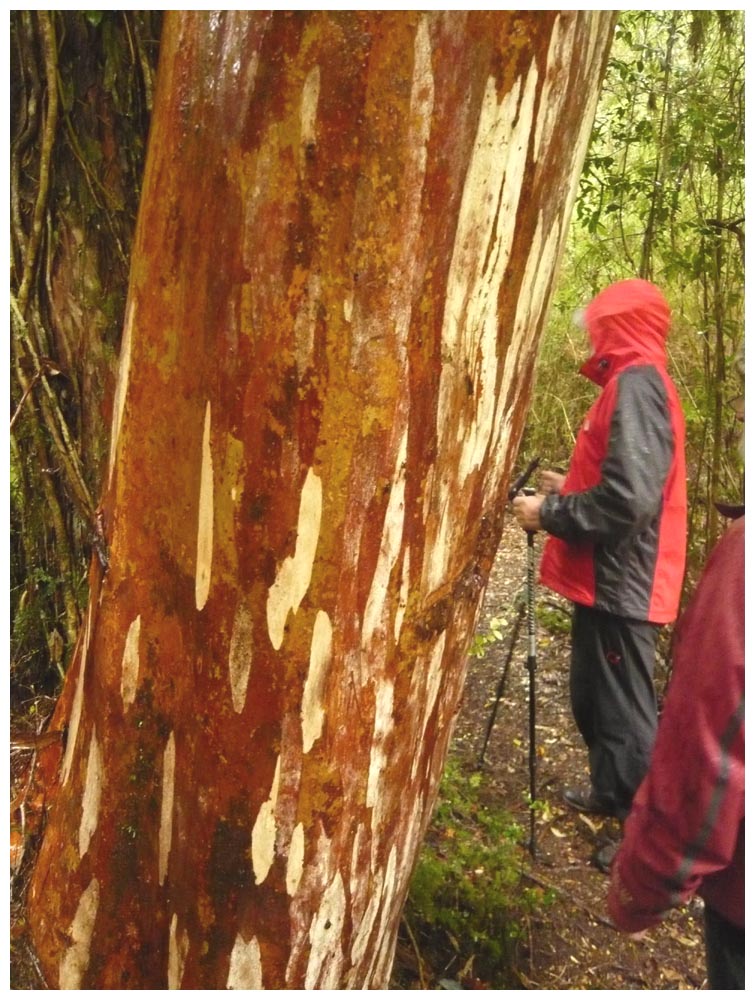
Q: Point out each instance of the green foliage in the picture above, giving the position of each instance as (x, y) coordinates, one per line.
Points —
(467, 888)
(486, 638)
(662, 197)
(554, 619)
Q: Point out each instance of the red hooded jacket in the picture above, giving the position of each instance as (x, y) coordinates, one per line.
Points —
(686, 830)
(619, 525)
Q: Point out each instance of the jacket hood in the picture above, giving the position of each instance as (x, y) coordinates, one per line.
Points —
(627, 323)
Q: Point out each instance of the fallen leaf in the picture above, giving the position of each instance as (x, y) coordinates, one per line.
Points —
(687, 942)
(588, 823)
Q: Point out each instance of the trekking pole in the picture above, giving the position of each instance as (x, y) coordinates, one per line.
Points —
(531, 668)
(501, 683)
(521, 481)
(517, 486)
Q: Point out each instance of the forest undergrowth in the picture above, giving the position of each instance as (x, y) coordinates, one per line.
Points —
(483, 912)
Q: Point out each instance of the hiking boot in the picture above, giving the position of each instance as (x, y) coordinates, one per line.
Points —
(603, 857)
(588, 801)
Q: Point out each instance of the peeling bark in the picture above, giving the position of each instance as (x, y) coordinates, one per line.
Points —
(347, 242)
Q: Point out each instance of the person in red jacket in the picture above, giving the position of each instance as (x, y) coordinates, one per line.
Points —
(617, 524)
(686, 830)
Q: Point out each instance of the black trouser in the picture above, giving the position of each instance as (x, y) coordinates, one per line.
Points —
(613, 700)
(724, 952)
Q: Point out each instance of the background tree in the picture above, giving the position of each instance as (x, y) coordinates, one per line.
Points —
(81, 93)
(662, 196)
(347, 240)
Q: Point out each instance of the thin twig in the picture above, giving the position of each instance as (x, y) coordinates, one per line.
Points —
(604, 921)
(420, 963)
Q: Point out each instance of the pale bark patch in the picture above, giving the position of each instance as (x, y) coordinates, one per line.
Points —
(240, 655)
(245, 972)
(390, 548)
(90, 804)
(383, 937)
(482, 249)
(403, 597)
(178, 948)
(356, 868)
(364, 930)
(130, 663)
(430, 679)
(121, 386)
(206, 516)
(482, 321)
(554, 93)
(78, 702)
(295, 573)
(383, 726)
(304, 326)
(75, 961)
(313, 698)
(326, 953)
(165, 836)
(264, 832)
(423, 82)
(309, 100)
(295, 864)
(300, 911)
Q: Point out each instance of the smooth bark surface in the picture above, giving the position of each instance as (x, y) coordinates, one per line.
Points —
(349, 229)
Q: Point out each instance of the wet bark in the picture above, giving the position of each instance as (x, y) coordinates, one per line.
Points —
(347, 241)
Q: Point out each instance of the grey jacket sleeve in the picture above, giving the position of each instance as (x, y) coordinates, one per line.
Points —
(640, 449)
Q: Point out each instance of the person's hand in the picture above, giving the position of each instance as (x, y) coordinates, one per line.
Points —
(527, 511)
(551, 481)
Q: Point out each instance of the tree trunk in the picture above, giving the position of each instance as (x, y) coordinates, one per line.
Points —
(347, 240)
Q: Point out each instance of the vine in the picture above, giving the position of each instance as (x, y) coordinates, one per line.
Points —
(81, 91)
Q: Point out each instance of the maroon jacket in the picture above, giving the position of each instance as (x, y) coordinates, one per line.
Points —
(619, 526)
(685, 832)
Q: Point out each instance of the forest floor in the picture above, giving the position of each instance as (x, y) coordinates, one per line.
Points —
(568, 943)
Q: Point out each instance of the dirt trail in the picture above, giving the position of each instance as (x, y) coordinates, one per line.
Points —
(572, 946)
